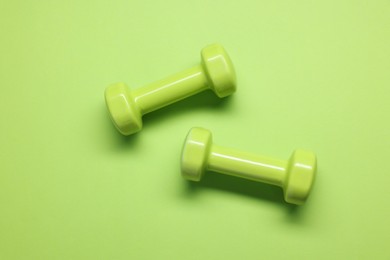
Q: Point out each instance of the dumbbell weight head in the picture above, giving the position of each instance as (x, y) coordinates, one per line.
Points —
(122, 108)
(301, 170)
(219, 70)
(195, 153)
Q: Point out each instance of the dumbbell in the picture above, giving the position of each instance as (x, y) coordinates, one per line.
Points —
(126, 108)
(295, 176)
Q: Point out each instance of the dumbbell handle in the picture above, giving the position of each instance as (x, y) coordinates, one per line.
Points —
(171, 89)
(253, 167)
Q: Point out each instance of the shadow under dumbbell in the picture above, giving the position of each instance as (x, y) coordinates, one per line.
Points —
(206, 100)
(239, 186)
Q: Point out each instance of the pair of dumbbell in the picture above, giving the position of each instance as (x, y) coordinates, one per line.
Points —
(216, 72)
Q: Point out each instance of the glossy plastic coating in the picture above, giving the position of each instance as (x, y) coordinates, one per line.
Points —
(127, 107)
(296, 176)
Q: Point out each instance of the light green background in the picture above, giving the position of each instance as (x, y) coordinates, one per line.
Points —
(311, 74)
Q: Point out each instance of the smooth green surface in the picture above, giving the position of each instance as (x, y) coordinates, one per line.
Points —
(126, 107)
(296, 175)
(311, 74)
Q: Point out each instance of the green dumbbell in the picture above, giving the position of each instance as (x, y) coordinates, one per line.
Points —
(295, 176)
(127, 107)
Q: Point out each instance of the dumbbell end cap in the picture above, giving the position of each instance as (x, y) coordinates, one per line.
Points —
(219, 70)
(195, 153)
(122, 109)
(301, 174)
